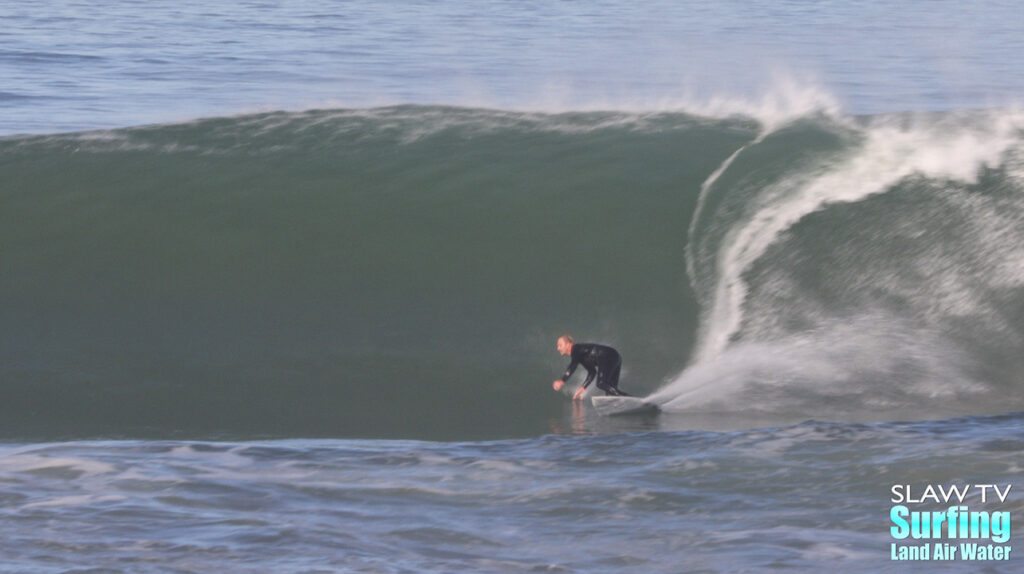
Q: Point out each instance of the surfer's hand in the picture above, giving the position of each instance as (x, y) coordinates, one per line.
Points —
(558, 385)
(578, 394)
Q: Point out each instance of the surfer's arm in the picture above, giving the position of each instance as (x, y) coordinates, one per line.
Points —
(586, 383)
(589, 379)
(565, 376)
(569, 370)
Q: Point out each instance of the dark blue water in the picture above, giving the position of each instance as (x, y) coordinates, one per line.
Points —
(806, 497)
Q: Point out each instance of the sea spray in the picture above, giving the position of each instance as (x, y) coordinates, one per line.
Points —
(876, 158)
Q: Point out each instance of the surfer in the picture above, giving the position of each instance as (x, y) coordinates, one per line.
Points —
(600, 361)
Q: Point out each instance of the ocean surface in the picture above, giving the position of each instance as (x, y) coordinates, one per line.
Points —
(280, 283)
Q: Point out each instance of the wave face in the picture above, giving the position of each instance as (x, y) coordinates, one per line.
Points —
(403, 272)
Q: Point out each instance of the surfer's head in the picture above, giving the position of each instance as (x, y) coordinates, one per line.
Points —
(565, 343)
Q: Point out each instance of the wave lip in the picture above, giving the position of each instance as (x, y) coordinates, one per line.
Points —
(900, 226)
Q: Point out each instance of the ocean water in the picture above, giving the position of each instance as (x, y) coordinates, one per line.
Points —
(280, 284)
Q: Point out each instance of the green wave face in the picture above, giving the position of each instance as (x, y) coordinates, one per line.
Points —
(390, 272)
(404, 272)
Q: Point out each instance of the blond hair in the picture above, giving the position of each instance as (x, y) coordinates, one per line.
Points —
(567, 339)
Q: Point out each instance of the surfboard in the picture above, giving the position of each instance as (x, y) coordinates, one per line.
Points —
(609, 406)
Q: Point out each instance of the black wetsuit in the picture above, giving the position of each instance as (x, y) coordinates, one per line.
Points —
(603, 362)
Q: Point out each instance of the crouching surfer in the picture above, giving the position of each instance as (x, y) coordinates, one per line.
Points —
(600, 361)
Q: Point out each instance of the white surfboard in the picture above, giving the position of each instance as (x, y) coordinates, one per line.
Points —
(609, 406)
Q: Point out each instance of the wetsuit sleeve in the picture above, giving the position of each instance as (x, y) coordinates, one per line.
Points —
(571, 369)
(589, 379)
